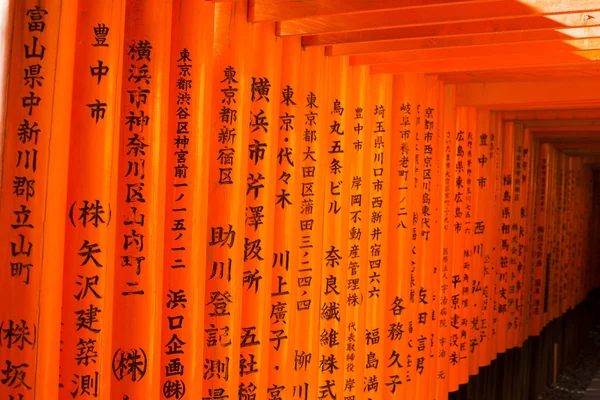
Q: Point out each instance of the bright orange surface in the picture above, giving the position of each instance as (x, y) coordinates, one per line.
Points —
(194, 207)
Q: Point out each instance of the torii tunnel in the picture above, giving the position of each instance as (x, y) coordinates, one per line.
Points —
(296, 199)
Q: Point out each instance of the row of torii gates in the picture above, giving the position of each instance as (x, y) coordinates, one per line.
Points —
(282, 199)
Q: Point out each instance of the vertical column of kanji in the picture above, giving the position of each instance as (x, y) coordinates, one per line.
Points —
(563, 231)
(261, 201)
(519, 241)
(335, 230)
(527, 199)
(538, 237)
(496, 155)
(286, 214)
(469, 124)
(566, 260)
(417, 326)
(469, 226)
(310, 224)
(511, 215)
(424, 236)
(549, 237)
(435, 204)
(186, 201)
(504, 270)
(413, 107)
(495, 180)
(140, 201)
(228, 184)
(444, 254)
(484, 240)
(480, 159)
(557, 206)
(457, 338)
(494, 231)
(490, 242)
(556, 216)
(358, 151)
(91, 200)
(395, 344)
(34, 150)
(417, 323)
(548, 154)
(378, 235)
(403, 305)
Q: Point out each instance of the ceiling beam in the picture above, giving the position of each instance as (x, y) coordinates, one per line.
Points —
(554, 126)
(567, 136)
(530, 23)
(444, 13)
(553, 47)
(506, 95)
(533, 74)
(556, 115)
(577, 145)
(594, 161)
(542, 105)
(580, 153)
(489, 63)
(578, 35)
(282, 10)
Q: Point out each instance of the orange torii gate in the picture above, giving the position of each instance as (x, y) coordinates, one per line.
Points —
(196, 206)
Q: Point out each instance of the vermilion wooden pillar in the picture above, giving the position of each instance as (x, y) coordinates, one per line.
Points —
(195, 206)
(35, 154)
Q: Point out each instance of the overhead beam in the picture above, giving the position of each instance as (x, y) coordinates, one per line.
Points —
(525, 73)
(578, 34)
(594, 161)
(553, 47)
(540, 105)
(282, 10)
(559, 125)
(578, 145)
(559, 116)
(553, 126)
(579, 153)
(530, 23)
(566, 136)
(507, 95)
(444, 13)
(533, 74)
(489, 63)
